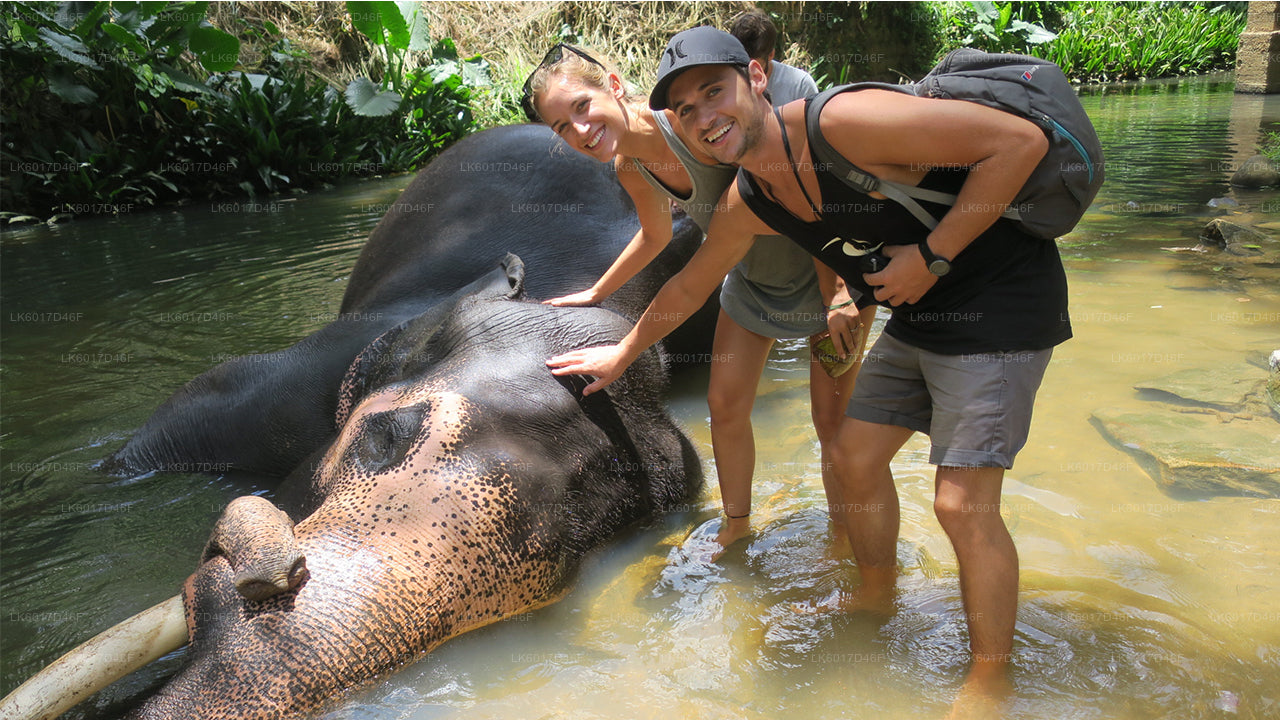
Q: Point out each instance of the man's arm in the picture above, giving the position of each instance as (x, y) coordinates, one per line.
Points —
(728, 240)
(899, 137)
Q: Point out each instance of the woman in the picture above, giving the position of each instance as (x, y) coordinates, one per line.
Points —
(774, 293)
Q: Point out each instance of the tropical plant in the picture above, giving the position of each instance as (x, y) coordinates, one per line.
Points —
(995, 27)
(1103, 41)
(117, 105)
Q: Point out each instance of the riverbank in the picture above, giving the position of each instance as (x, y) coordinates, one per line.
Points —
(102, 115)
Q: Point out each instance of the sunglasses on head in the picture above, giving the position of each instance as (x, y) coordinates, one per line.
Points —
(553, 56)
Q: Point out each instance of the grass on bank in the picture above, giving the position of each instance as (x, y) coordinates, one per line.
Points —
(1096, 41)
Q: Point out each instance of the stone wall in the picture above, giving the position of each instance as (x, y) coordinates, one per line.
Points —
(1258, 56)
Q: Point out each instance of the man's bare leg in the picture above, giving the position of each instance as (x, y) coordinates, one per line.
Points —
(967, 504)
(869, 507)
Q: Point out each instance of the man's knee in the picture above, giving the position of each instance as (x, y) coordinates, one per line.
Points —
(961, 512)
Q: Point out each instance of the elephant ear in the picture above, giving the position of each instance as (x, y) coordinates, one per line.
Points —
(397, 353)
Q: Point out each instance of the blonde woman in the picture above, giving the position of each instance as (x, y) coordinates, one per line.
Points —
(774, 293)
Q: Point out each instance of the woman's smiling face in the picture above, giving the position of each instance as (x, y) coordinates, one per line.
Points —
(588, 118)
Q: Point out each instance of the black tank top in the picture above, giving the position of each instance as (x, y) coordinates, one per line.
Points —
(1006, 291)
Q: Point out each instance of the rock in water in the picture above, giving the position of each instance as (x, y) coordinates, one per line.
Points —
(1224, 387)
(1197, 452)
(1258, 171)
(1273, 384)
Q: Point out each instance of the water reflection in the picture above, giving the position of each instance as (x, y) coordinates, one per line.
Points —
(1135, 603)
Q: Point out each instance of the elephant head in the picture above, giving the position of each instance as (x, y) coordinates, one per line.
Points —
(464, 486)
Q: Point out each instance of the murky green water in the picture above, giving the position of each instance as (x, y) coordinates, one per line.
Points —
(1135, 603)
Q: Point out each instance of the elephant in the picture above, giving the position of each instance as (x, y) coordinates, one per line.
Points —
(514, 189)
(436, 476)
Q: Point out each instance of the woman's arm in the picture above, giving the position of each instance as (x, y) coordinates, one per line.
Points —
(732, 231)
(654, 211)
(843, 318)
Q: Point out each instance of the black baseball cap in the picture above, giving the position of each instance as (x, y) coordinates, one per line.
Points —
(691, 48)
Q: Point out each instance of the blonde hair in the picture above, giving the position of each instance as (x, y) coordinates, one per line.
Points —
(572, 65)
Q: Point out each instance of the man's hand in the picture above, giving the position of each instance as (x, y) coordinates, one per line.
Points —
(605, 363)
(586, 297)
(905, 280)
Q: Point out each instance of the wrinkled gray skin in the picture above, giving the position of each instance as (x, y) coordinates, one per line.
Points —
(514, 189)
(441, 477)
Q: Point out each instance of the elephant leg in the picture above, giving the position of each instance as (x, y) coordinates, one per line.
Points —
(257, 539)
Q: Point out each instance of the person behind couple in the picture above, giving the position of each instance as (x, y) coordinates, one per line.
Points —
(977, 304)
(774, 292)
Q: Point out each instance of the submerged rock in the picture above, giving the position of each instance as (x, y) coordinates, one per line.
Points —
(1207, 431)
(1223, 388)
(1198, 452)
(1224, 234)
(1273, 384)
(1258, 171)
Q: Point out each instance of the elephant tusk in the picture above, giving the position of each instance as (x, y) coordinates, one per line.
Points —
(98, 662)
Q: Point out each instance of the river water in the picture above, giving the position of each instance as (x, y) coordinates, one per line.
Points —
(1135, 602)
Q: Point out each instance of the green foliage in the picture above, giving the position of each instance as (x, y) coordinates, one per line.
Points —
(1271, 146)
(1104, 41)
(117, 105)
(994, 27)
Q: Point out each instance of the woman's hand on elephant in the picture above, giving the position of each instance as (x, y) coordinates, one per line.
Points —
(844, 324)
(605, 363)
(586, 297)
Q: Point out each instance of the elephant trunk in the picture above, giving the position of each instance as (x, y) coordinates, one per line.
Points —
(371, 600)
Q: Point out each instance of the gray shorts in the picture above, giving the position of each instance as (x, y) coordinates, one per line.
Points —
(976, 409)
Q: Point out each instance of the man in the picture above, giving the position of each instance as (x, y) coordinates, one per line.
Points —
(759, 37)
(977, 303)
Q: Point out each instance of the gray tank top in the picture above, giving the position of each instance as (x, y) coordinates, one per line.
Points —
(774, 290)
(709, 181)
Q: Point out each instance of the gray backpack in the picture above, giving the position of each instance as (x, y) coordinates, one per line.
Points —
(1062, 185)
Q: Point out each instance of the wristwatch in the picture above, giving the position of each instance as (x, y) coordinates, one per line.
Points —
(937, 264)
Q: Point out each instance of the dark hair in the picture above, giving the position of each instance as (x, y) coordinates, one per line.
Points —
(756, 32)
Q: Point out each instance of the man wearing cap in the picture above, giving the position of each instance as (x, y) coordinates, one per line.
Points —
(977, 304)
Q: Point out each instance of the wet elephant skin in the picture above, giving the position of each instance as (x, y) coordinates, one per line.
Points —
(440, 477)
(466, 485)
(514, 189)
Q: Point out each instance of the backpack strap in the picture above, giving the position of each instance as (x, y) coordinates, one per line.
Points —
(865, 182)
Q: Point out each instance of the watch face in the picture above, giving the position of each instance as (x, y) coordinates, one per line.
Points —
(939, 267)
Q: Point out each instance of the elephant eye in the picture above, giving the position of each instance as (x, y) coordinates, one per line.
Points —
(387, 437)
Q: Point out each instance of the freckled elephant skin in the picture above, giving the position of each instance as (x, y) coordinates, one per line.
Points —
(465, 486)
(440, 476)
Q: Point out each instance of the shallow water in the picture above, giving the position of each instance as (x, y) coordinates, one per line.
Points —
(1135, 603)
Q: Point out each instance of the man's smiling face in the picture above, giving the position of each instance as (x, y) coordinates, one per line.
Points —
(718, 109)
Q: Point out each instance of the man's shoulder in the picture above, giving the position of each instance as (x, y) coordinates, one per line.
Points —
(787, 83)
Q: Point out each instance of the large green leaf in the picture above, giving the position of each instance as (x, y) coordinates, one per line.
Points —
(90, 19)
(68, 48)
(396, 24)
(218, 51)
(1034, 33)
(419, 37)
(124, 37)
(364, 98)
(65, 86)
(366, 18)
